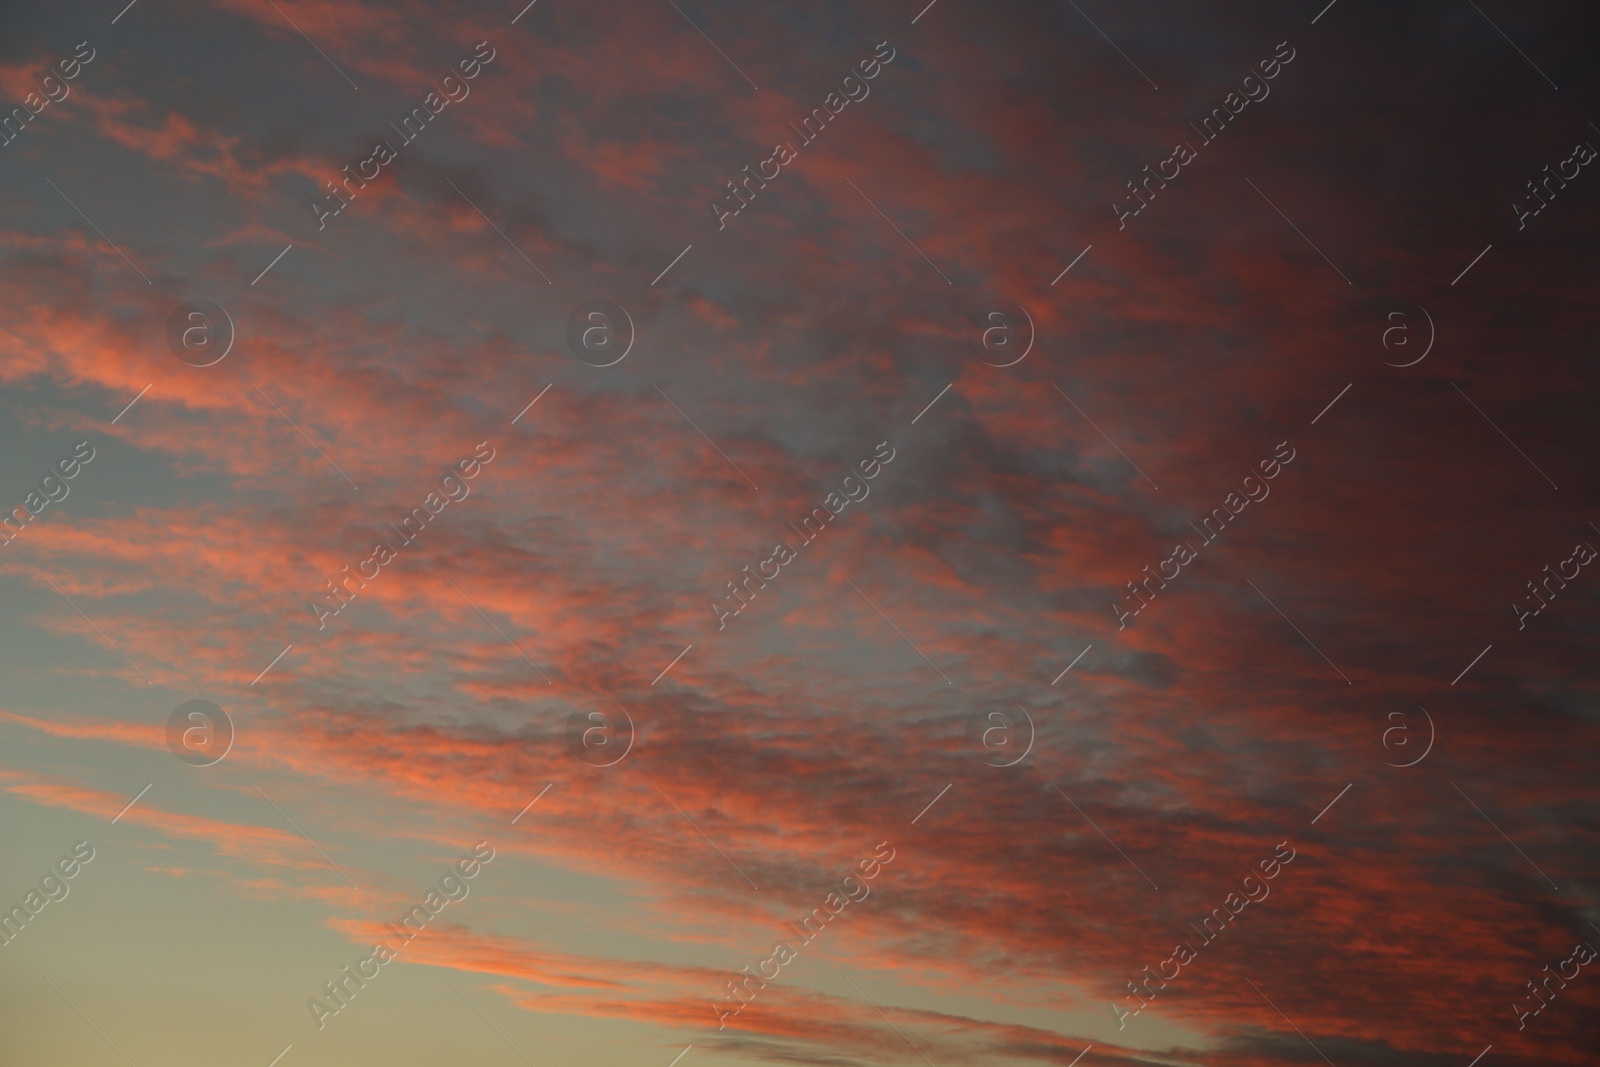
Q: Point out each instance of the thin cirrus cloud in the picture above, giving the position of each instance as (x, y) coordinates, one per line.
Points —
(992, 549)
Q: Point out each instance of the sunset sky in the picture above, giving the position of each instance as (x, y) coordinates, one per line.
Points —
(1053, 285)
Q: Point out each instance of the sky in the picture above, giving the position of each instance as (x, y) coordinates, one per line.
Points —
(1081, 557)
